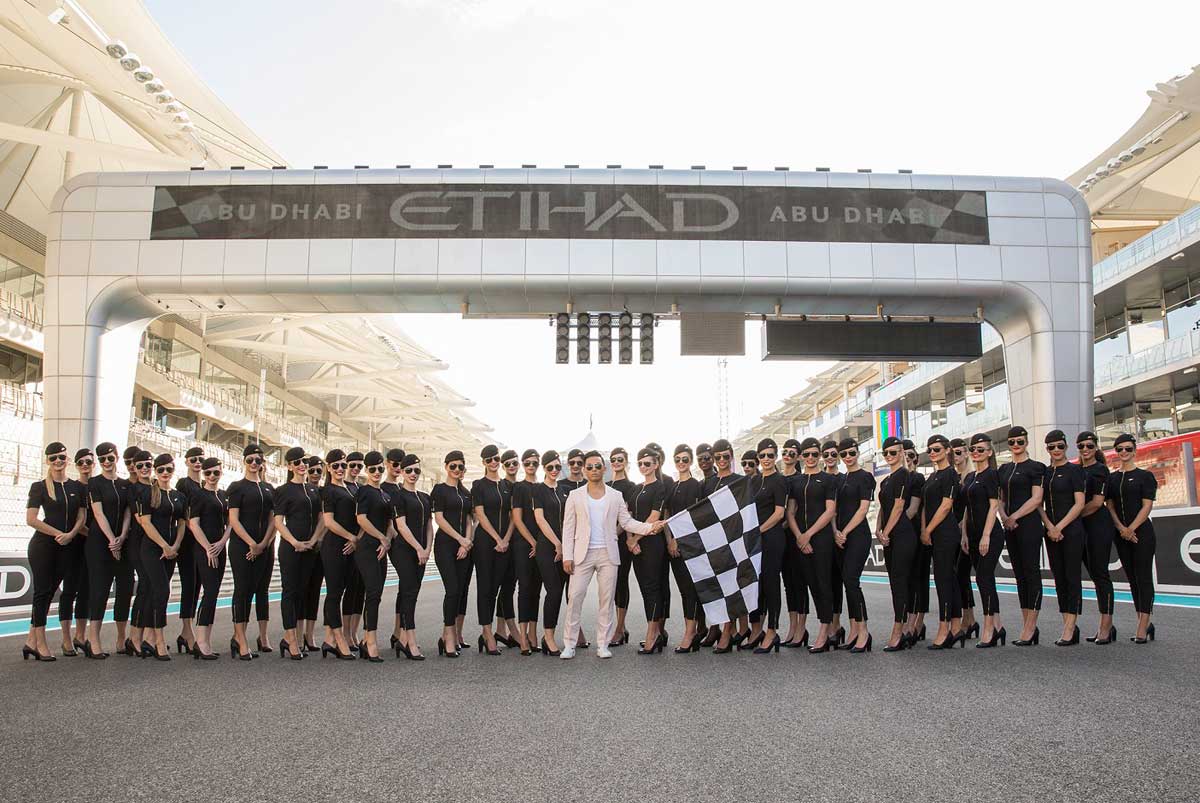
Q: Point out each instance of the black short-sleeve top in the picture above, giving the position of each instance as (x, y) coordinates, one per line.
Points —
(376, 505)
(979, 488)
(683, 495)
(715, 482)
(811, 492)
(1127, 490)
(522, 499)
(1097, 482)
(647, 498)
(769, 492)
(212, 509)
(495, 497)
(454, 503)
(1059, 489)
(894, 489)
(189, 488)
(134, 492)
(392, 490)
(300, 505)
(113, 497)
(171, 509)
(939, 486)
(916, 489)
(255, 503)
(60, 512)
(338, 501)
(417, 511)
(551, 502)
(1017, 481)
(854, 488)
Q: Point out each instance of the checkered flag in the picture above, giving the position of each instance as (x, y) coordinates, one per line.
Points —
(719, 540)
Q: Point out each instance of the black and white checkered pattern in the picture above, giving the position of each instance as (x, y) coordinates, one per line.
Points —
(718, 538)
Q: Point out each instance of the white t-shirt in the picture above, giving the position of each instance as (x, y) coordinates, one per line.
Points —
(597, 539)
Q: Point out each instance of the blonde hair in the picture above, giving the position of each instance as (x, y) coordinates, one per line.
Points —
(50, 486)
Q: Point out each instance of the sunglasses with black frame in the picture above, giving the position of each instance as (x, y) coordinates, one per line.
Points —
(1016, 441)
(1056, 446)
(594, 467)
(848, 453)
(749, 464)
(212, 472)
(1125, 448)
(531, 463)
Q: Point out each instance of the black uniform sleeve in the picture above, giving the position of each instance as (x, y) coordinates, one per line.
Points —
(37, 494)
(831, 489)
(863, 486)
(1037, 471)
(539, 496)
(437, 499)
(779, 491)
(236, 490)
(141, 500)
(991, 482)
(1078, 479)
(1149, 485)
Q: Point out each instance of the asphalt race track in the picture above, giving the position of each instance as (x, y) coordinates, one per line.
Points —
(1112, 723)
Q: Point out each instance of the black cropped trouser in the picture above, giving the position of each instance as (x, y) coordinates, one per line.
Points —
(820, 574)
(650, 567)
(103, 568)
(251, 582)
(854, 558)
(1025, 555)
(963, 572)
(47, 563)
(295, 572)
(336, 565)
(410, 575)
(621, 593)
(836, 580)
(770, 601)
(918, 581)
(795, 575)
(487, 576)
(506, 579)
(158, 574)
(1097, 551)
(947, 544)
(554, 579)
(372, 570)
(985, 567)
(898, 556)
(529, 580)
(1138, 562)
(455, 574)
(189, 577)
(1066, 564)
(312, 595)
(211, 578)
(73, 601)
(141, 589)
(355, 596)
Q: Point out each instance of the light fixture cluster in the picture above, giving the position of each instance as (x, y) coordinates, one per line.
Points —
(1116, 163)
(153, 86)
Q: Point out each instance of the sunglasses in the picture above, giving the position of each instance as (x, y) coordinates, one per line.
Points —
(143, 466)
(554, 467)
(911, 455)
(358, 466)
(849, 453)
(254, 461)
(1124, 449)
(645, 464)
(810, 454)
(766, 455)
(108, 458)
(979, 449)
(375, 469)
(492, 459)
(958, 452)
(704, 457)
(790, 453)
(829, 453)
(1056, 447)
(573, 463)
(58, 458)
(455, 467)
(196, 459)
(1086, 445)
(748, 464)
(935, 450)
(315, 470)
(617, 459)
(337, 466)
(165, 470)
(413, 471)
(85, 463)
(394, 463)
(682, 460)
(511, 464)
(213, 472)
(530, 464)
(1016, 441)
(891, 452)
(594, 467)
(724, 457)
(298, 462)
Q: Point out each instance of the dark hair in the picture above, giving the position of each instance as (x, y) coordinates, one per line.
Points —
(983, 437)
(594, 453)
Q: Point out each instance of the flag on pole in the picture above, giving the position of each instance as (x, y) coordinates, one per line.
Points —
(718, 539)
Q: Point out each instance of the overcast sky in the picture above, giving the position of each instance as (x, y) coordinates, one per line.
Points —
(1006, 89)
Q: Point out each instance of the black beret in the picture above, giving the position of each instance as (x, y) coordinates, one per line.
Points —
(314, 461)
(82, 453)
(395, 455)
(1086, 435)
(827, 445)
(334, 456)
(703, 447)
(1055, 435)
(195, 451)
(550, 457)
(683, 447)
(1017, 432)
(509, 454)
(908, 445)
(251, 448)
(981, 437)
(106, 448)
(491, 450)
(373, 458)
(722, 445)
(942, 439)
(295, 453)
(791, 443)
(141, 456)
(163, 459)
(750, 454)
(957, 443)
(54, 448)
(847, 443)
(452, 456)
(410, 459)
(891, 441)
(130, 452)
(574, 453)
(528, 453)
(810, 443)
(617, 451)
(647, 452)
(210, 463)
(1124, 437)
(767, 443)
(355, 457)
(655, 447)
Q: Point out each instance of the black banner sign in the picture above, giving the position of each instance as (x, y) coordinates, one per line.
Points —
(570, 211)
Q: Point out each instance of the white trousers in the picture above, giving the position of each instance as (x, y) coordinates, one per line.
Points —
(598, 563)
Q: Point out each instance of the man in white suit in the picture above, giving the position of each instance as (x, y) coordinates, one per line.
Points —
(593, 519)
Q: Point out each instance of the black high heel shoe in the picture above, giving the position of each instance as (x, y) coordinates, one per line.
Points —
(166, 656)
(127, 648)
(27, 651)
(973, 630)
(900, 646)
(181, 645)
(838, 637)
(309, 646)
(950, 641)
(865, 648)
(482, 643)
(803, 642)
(285, 651)
(826, 647)
(738, 638)
(1149, 636)
(919, 635)
(621, 640)
(1000, 635)
(235, 651)
(87, 651)
(1068, 642)
(751, 644)
(200, 655)
(332, 649)
(659, 642)
(263, 648)
(70, 653)
(691, 646)
(147, 650)
(508, 641)
(1112, 636)
(365, 653)
(1030, 642)
(768, 648)
(719, 650)
(462, 645)
(710, 638)
(549, 652)
(78, 644)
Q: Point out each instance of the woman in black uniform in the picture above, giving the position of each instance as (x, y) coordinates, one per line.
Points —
(524, 548)
(452, 548)
(61, 502)
(189, 573)
(770, 501)
(810, 512)
(548, 500)
(1099, 531)
(108, 526)
(297, 516)
(393, 460)
(506, 582)
(355, 597)
(940, 531)
(649, 551)
(1021, 492)
(982, 537)
(312, 595)
(619, 460)
(962, 566)
(829, 459)
(162, 514)
(209, 523)
(897, 536)
(491, 502)
(337, 550)
(749, 463)
(374, 511)
(1130, 494)
(1063, 499)
(410, 551)
(852, 535)
(574, 477)
(795, 586)
(73, 601)
(918, 581)
(139, 485)
(684, 494)
(251, 509)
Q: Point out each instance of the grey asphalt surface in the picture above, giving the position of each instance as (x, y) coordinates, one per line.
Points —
(1114, 723)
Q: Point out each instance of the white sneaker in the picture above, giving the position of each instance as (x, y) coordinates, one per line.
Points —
(567, 653)
(604, 652)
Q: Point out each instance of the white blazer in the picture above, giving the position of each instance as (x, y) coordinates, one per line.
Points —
(577, 527)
